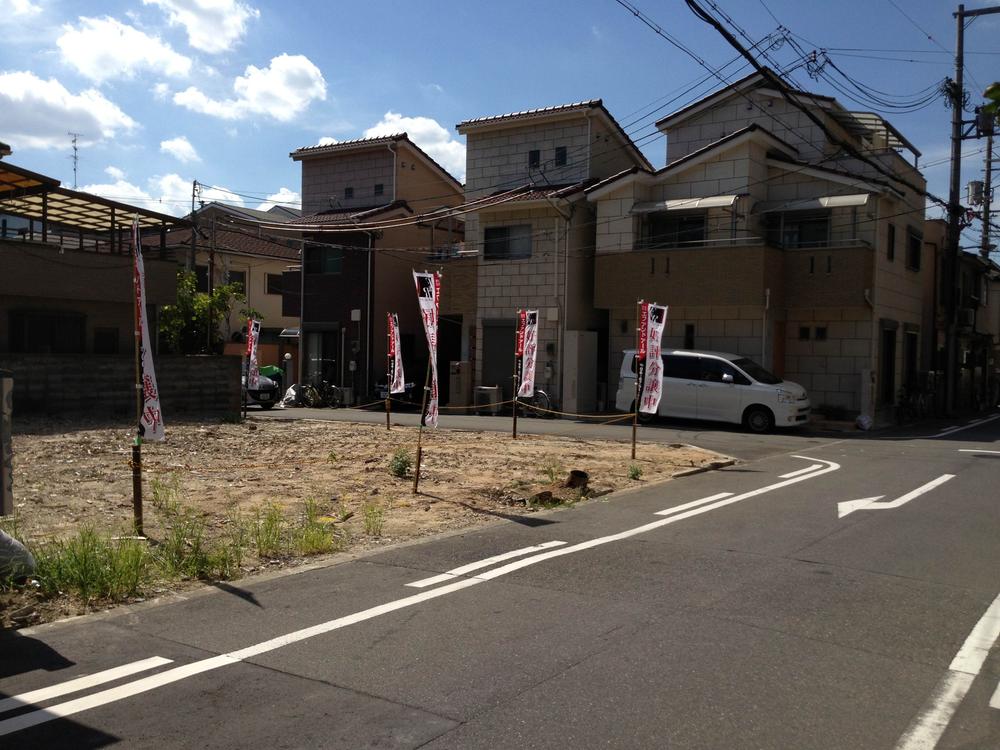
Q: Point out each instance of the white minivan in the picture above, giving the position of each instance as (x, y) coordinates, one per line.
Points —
(720, 387)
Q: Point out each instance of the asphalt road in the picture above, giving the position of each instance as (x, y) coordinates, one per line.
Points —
(764, 609)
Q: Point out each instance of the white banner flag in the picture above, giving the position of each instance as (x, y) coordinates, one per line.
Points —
(253, 340)
(397, 382)
(527, 352)
(151, 416)
(429, 298)
(654, 317)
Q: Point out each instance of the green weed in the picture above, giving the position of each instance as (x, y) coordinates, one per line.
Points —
(374, 519)
(634, 471)
(400, 463)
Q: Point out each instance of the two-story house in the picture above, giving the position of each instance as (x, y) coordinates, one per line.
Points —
(768, 238)
(534, 231)
(374, 210)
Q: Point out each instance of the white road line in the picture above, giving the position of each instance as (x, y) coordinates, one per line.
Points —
(969, 426)
(463, 569)
(695, 503)
(81, 683)
(927, 727)
(974, 450)
(806, 470)
(872, 503)
(111, 695)
(995, 700)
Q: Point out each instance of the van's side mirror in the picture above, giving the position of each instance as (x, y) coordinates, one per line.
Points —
(727, 378)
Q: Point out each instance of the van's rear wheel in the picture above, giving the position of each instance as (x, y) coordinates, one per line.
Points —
(758, 419)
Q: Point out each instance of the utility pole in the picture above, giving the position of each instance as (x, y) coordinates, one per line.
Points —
(194, 228)
(950, 270)
(985, 248)
(76, 155)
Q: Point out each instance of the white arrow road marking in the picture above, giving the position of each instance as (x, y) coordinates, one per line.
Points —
(974, 450)
(871, 503)
(461, 570)
(995, 700)
(81, 683)
(145, 684)
(928, 726)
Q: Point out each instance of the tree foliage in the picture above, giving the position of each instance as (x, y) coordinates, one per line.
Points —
(184, 325)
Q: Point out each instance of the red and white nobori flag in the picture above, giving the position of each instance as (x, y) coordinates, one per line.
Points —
(429, 298)
(527, 352)
(396, 379)
(151, 417)
(253, 339)
(654, 318)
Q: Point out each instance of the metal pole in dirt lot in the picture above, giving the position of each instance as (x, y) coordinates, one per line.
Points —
(638, 375)
(420, 432)
(6, 446)
(137, 443)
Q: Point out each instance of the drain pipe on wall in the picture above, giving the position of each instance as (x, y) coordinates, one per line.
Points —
(763, 330)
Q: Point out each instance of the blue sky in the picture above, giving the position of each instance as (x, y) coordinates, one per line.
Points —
(163, 92)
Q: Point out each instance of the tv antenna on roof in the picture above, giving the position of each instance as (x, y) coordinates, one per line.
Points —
(76, 155)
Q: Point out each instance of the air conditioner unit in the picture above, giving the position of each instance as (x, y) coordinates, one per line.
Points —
(488, 398)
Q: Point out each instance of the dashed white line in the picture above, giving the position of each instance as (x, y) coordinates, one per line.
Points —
(926, 729)
(959, 428)
(975, 450)
(694, 503)
(81, 683)
(806, 470)
(995, 700)
(463, 569)
(111, 695)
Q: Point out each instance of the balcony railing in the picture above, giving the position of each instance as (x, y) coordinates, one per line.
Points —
(669, 244)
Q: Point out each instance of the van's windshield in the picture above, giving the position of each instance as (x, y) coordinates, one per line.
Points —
(756, 372)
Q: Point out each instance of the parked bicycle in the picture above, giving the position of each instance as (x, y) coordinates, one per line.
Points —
(323, 394)
(538, 405)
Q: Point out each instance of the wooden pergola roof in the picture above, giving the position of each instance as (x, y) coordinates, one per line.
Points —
(35, 196)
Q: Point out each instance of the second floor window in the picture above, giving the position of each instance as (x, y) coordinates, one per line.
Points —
(673, 229)
(379, 189)
(534, 158)
(560, 156)
(348, 193)
(914, 242)
(324, 260)
(507, 243)
(890, 242)
(798, 229)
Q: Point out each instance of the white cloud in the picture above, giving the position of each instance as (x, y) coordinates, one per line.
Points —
(105, 48)
(180, 148)
(212, 25)
(429, 135)
(284, 197)
(169, 193)
(161, 91)
(19, 8)
(281, 91)
(327, 140)
(38, 113)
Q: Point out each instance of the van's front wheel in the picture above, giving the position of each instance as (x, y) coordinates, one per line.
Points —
(643, 417)
(758, 419)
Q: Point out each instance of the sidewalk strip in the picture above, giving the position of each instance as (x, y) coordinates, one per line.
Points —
(81, 683)
(461, 570)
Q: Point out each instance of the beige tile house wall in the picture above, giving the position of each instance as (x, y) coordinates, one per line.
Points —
(324, 178)
(423, 187)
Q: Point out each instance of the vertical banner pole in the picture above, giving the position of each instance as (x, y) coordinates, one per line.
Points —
(516, 378)
(638, 376)
(137, 443)
(420, 432)
(388, 372)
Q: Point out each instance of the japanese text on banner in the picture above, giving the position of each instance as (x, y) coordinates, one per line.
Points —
(527, 352)
(151, 416)
(428, 297)
(253, 339)
(396, 379)
(651, 329)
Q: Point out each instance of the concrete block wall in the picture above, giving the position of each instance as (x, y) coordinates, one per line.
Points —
(324, 179)
(498, 159)
(99, 387)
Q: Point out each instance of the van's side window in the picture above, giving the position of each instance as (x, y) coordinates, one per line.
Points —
(685, 368)
(713, 370)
